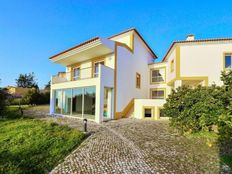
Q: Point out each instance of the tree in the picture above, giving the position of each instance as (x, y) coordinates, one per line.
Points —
(27, 81)
(3, 97)
(226, 77)
(35, 97)
(47, 86)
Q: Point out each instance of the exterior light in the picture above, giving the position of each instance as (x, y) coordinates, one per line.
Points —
(85, 124)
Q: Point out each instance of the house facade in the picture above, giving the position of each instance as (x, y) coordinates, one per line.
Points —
(119, 77)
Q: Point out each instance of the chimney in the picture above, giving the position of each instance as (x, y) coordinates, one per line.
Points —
(190, 37)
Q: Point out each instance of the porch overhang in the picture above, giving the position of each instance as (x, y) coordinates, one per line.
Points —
(93, 48)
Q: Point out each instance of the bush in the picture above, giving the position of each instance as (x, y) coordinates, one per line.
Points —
(3, 97)
(17, 101)
(35, 97)
(202, 108)
(225, 126)
(192, 110)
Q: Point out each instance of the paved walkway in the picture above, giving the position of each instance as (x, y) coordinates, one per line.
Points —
(137, 146)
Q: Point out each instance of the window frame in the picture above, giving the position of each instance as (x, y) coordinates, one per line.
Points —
(224, 60)
(94, 66)
(136, 84)
(172, 66)
(158, 89)
(158, 68)
(76, 77)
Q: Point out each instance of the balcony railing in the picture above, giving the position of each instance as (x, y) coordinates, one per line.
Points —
(84, 73)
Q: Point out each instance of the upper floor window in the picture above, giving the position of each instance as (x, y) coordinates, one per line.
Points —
(228, 61)
(96, 68)
(157, 93)
(138, 80)
(76, 73)
(158, 75)
(172, 65)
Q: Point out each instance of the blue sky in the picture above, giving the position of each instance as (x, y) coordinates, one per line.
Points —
(31, 31)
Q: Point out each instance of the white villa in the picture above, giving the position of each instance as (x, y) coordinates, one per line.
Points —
(118, 76)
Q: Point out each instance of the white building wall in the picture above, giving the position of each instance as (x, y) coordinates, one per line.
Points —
(128, 65)
(171, 56)
(162, 85)
(204, 59)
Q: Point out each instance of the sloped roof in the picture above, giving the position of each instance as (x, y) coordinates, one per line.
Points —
(195, 41)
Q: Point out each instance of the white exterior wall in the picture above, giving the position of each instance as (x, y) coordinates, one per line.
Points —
(170, 57)
(105, 79)
(140, 104)
(204, 59)
(124, 38)
(128, 64)
(164, 85)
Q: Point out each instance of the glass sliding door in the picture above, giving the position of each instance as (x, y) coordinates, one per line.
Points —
(89, 102)
(77, 98)
(67, 95)
(58, 101)
(79, 102)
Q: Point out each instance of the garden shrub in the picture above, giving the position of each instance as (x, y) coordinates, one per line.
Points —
(3, 97)
(202, 108)
(35, 97)
(225, 126)
(192, 110)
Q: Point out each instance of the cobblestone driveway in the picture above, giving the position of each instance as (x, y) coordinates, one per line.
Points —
(137, 146)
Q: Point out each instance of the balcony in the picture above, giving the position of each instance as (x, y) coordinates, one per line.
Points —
(82, 74)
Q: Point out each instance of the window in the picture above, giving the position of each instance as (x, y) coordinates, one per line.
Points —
(228, 61)
(158, 75)
(76, 73)
(147, 112)
(172, 65)
(96, 68)
(157, 93)
(138, 80)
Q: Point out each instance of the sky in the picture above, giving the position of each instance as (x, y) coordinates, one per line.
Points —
(32, 31)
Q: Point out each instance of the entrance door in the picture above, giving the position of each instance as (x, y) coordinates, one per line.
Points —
(107, 111)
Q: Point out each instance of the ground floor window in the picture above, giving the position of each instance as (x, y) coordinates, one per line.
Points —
(147, 112)
(79, 102)
(158, 93)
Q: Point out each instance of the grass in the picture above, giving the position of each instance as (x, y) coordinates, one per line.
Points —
(34, 146)
(211, 138)
(227, 159)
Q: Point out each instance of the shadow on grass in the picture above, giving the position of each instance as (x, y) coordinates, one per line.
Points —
(225, 152)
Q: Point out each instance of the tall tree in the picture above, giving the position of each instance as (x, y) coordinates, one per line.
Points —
(47, 86)
(26, 81)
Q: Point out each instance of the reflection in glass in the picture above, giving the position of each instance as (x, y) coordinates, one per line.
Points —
(58, 101)
(77, 102)
(89, 102)
(66, 101)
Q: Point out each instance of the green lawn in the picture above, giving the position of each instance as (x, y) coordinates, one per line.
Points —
(34, 146)
(212, 139)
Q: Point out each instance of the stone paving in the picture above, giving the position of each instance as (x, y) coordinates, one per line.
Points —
(136, 146)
